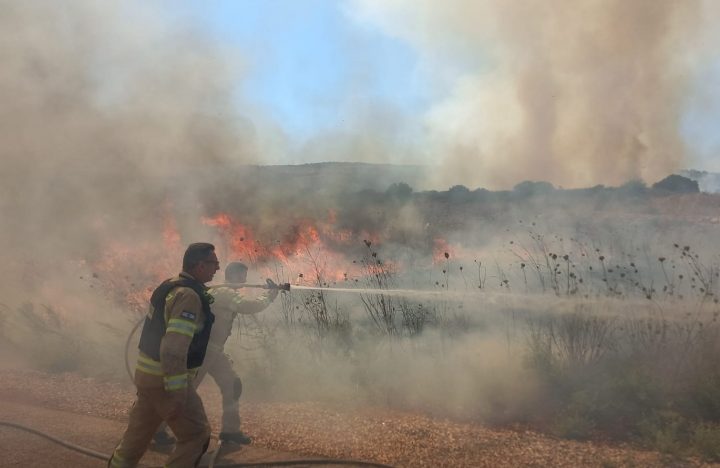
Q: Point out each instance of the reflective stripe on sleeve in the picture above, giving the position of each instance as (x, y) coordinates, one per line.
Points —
(181, 326)
(175, 382)
(149, 366)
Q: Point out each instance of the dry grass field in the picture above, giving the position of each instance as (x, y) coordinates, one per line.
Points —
(530, 327)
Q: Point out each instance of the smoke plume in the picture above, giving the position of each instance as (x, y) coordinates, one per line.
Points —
(109, 113)
(576, 94)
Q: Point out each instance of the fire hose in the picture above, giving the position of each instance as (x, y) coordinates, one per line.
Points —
(106, 457)
(213, 456)
(128, 342)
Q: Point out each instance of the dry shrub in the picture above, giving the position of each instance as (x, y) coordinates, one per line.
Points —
(650, 379)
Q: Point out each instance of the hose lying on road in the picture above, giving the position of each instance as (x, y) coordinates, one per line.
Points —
(105, 457)
(68, 445)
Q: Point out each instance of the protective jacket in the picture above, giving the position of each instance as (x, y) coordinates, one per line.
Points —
(155, 325)
(229, 303)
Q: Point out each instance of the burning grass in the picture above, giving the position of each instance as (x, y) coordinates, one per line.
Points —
(596, 344)
(586, 336)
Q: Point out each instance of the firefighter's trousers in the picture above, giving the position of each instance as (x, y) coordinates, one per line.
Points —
(219, 366)
(152, 406)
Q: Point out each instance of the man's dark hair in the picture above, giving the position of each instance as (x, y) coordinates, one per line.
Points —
(195, 254)
(235, 270)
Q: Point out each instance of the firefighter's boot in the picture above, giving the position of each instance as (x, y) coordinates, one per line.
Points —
(235, 438)
(162, 441)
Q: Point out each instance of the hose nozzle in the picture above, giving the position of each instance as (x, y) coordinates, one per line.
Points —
(270, 284)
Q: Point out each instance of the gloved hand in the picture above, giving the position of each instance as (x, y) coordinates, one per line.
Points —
(273, 289)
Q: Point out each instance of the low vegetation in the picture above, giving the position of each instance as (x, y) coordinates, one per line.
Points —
(587, 333)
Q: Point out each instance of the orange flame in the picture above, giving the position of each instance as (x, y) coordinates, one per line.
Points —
(442, 251)
(310, 252)
(307, 251)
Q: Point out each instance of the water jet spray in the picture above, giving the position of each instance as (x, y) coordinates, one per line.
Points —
(281, 286)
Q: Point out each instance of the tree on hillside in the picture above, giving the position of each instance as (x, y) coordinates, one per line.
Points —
(677, 184)
(529, 188)
(400, 191)
(459, 193)
(633, 187)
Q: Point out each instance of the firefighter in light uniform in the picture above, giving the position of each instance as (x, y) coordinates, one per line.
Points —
(229, 303)
(172, 347)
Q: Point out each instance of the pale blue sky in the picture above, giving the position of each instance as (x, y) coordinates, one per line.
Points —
(305, 57)
(701, 122)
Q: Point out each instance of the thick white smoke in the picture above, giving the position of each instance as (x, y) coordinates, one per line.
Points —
(576, 93)
(109, 114)
(113, 115)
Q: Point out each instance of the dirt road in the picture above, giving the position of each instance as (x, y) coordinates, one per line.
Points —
(93, 414)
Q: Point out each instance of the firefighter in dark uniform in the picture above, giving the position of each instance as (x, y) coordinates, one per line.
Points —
(172, 346)
(229, 303)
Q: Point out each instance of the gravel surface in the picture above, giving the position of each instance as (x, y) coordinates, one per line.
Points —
(402, 439)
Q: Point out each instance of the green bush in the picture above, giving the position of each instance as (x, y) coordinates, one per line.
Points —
(666, 431)
(706, 441)
(573, 425)
(650, 381)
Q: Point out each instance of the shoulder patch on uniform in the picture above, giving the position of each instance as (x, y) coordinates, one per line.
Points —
(188, 315)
